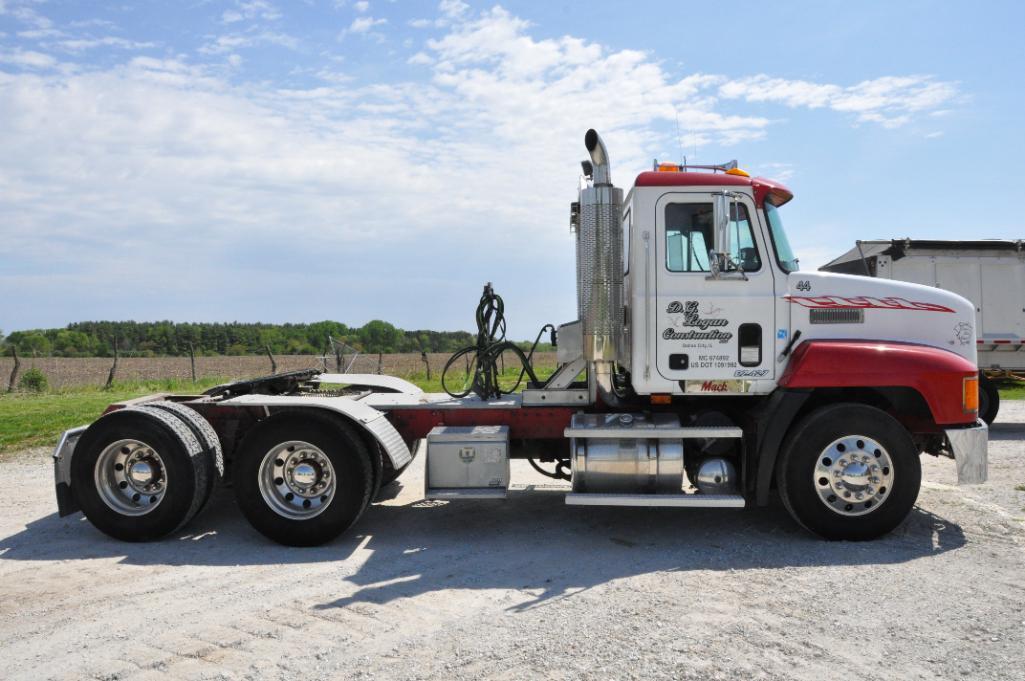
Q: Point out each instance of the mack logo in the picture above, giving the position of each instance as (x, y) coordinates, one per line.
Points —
(714, 387)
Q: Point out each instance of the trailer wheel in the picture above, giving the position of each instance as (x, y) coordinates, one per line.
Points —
(849, 471)
(302, 479)
(989, 399)
(139, 474)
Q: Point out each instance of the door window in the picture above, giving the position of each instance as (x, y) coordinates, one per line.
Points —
(690, 229)
(688, 236)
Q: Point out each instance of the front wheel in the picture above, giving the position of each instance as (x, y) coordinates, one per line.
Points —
(849, 471)
(302, 479)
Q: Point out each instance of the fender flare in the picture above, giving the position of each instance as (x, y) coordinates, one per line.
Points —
(385, 383)
(361, 415)
(938, 375)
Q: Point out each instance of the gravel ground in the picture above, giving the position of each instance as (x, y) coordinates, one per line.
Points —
(527, 588)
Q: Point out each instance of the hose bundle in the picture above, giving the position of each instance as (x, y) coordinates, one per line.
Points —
(488, 349)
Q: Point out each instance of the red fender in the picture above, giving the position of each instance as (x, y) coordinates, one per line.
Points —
(938, 375)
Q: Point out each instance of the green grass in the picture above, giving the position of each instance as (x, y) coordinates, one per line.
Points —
(38, 419)
(1011, 389)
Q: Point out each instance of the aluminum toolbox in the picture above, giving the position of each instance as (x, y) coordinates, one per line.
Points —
(467, 462)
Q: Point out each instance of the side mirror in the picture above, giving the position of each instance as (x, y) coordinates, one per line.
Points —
(727, 206)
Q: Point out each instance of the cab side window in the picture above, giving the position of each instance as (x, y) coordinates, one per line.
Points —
(690, 234)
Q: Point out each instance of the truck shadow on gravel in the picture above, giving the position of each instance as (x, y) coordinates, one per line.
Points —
(531, 542)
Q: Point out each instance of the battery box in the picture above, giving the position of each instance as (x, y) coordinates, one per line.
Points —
(467, 462)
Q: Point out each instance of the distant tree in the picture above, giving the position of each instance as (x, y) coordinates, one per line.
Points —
(34, 343)
(379, 336)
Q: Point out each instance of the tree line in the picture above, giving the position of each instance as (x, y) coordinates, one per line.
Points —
(165, 338)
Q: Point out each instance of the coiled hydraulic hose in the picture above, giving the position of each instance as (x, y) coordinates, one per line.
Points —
(490, 345)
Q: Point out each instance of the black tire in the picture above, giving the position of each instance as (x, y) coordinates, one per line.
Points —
(348, 455)
(200, 427)
(813, 438)
(188, 469)
(989, 399)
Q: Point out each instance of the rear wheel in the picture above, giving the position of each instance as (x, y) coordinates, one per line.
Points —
(139, 474)
(302, 479)
(989, 399)
(849, 471)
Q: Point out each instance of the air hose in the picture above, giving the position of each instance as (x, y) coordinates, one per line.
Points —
(485, 353)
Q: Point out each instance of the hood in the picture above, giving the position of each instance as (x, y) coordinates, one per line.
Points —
(842, 306)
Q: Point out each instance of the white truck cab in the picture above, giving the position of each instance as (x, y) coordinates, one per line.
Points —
(715, 373)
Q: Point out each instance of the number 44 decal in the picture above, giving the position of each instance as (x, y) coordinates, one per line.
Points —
(803, 285)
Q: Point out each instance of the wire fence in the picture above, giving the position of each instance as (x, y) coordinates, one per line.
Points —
(71, 372)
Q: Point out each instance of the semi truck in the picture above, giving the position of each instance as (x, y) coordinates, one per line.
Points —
(988, 272)
(704, 369)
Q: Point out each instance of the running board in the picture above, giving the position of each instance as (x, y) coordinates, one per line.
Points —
(692, 432)
(660, 500)
(466, 493)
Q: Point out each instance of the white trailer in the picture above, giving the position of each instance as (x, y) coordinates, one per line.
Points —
(990, 273)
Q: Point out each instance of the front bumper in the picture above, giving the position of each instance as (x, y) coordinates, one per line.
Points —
(969, 447)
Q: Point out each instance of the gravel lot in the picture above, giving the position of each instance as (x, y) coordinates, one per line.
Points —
(524, 589)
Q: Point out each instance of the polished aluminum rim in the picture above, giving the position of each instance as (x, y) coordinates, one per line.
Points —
(130, 477)
(297, 480)
(853, 475)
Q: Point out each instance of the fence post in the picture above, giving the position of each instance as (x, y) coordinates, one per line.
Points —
(423, 357)
(14, 371)
(338, 355)
(113, 368)
(380, 363)
(192, 361)
(273, 364)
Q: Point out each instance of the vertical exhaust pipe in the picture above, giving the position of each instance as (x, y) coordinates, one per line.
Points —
(600, 267)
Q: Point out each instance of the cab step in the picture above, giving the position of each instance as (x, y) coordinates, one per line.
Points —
(684, 433)
(656, 500)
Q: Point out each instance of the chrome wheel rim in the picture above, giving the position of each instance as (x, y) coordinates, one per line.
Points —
(853, 475)
(130, 477)
(297, 480)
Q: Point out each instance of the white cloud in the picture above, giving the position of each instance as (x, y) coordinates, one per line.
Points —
(79, 44)
(233, 41)
(361, 6)
(889, 101)
(364, 24)
(28, 59)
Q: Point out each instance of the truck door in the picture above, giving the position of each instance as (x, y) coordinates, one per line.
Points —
(713, 334)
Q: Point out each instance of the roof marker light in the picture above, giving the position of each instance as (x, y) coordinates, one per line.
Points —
(738, 171)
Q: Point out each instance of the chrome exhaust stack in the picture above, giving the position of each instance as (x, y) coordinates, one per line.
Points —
(600, 258)
(600, 272)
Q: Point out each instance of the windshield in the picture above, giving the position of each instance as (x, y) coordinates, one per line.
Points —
(784, 254)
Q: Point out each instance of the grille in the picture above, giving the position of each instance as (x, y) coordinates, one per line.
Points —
(845, 315)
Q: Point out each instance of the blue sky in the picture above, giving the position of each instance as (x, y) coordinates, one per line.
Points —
(272, 161)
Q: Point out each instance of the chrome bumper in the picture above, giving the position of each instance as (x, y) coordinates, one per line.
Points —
(62, 470)
(969, 446)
